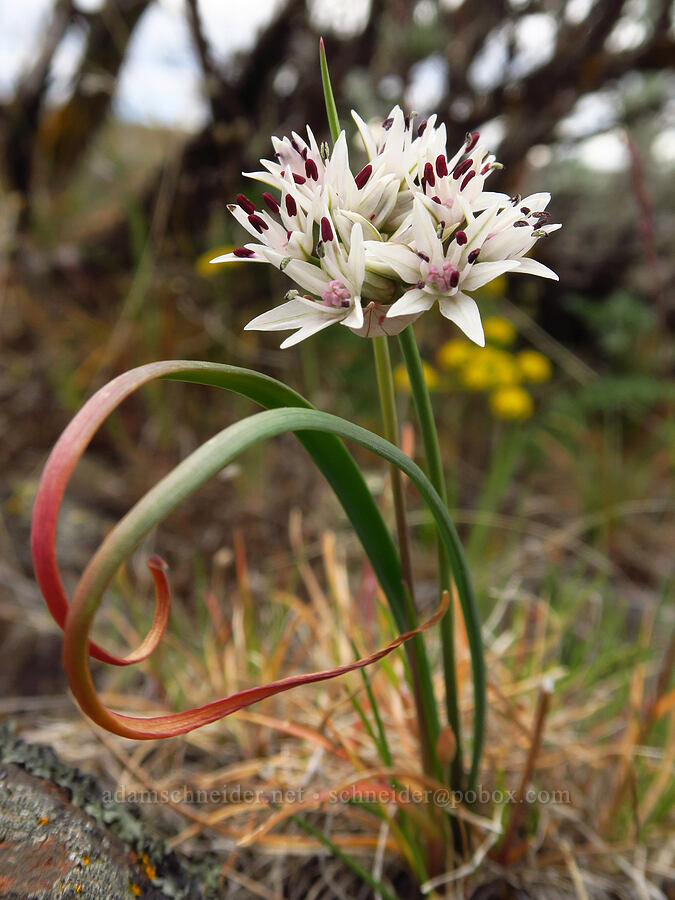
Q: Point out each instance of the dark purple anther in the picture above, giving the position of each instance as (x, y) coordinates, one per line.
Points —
(473, 256)
(461, 168)
(486, 168)
(441, 166)
(421, 127)
(525, 210)
(540, 222)
(259, 224)
(521, 224)
(271, 202)
(311, 169)
(387, 124)
(424, 184)
(298, 179)
(423, 256)
(294, 145)
(243, 253)
(429, 174)
(326, 230)
(363, 176)
(467, 179)
(471, 140)
(461, 238)
(291, 205)
(454, 277)
(247, 205)
(436, 199)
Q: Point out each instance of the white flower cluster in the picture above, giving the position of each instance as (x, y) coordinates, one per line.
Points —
(375, 250)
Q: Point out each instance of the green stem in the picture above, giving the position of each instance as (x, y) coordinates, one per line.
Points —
(432, 452)
(425, 704)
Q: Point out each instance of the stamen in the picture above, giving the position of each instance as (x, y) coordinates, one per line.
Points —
(461, 168)
(441, 166)
(271, 202)
(298, 179)
(311, 169)
(423, 256)
(521, 224)
(291, 205)
(363, 176)
(516, 199)
(453, 278)
(259, 224)
(436, 199)
(326, 230)
(467, 179)
(486, 168)
(473, 256)
(429, 174)
(243, 253)
(525, 210)
(471, 140)
(461, 238)
(247, 205)
(387, 124)
(421, 128)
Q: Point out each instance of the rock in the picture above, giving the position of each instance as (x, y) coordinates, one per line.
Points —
(59, 837)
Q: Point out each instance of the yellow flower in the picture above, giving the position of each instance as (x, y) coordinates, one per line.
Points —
(403, 384)
(455, 353)
(489, 368)
(513, 403)
(534, 366)
(499, 331)
(203, 262)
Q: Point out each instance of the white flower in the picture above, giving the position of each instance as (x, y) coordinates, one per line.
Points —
(439, 272)
(375, 250)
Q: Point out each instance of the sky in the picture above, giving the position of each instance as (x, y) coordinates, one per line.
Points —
(160, 83)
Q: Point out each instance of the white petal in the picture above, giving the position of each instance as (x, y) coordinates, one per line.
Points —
(230, 257)
(306, 332)
(536, 202)
(354, 319)
(463, 311)
(377, 323)
(387, 258)
(424, 230)
(411, 303)
(297, 313)
(481, 273)
(366, 136)
(533, 267)
(308, 276)
(357, 257)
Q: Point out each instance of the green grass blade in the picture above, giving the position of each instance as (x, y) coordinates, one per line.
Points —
(329, 99)
(348, 860)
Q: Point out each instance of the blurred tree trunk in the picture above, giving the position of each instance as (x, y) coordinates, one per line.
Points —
(21, 118)
(67, 131)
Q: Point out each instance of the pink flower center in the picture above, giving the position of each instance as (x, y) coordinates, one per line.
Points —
(445, 280)
(336, 294)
